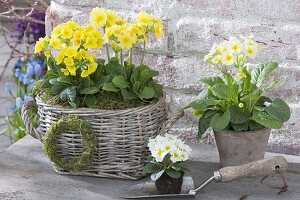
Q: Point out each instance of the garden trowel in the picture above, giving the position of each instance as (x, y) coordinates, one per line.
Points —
(260, 168)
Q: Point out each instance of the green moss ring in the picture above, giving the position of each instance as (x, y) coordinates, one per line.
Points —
(70, 123)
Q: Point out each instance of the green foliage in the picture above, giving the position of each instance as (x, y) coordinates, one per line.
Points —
(239, 104)
(157, 169)
(128, 81)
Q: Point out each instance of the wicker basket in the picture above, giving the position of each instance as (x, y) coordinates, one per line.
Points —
(122, 136)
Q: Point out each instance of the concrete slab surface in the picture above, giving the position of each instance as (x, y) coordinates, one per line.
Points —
(27, 174)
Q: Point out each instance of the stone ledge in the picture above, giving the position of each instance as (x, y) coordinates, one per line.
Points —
(26, 174)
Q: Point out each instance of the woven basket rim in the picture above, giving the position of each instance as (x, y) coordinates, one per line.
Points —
(82, 109)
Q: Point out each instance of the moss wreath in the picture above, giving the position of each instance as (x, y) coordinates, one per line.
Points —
(70, 123)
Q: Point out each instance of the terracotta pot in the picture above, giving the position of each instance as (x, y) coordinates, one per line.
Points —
(236, 148)
(168, 185)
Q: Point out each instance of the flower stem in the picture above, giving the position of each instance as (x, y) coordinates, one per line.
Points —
(130, 57)
(143, 52)
(107, 52)
(121, 57)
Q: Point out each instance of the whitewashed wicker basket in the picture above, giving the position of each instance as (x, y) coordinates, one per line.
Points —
(122, 136)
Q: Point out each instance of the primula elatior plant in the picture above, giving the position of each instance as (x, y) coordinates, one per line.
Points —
(167, 155)
(235, 101)
(77, 76)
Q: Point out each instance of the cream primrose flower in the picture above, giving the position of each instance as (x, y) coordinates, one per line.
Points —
(208, 57)
(234, 45)
(251, 51)
(216, 59)
(215, 49)
(227, 58)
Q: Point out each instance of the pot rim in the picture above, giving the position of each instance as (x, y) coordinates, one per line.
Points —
(241, 132)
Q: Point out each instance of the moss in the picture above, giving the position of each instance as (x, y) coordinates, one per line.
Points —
(69, 123)
(106, 101)
(111, 101)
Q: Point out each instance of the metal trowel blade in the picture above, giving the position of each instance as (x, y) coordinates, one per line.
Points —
(160, 196)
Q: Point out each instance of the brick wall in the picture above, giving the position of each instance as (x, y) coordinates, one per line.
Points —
(192, 26)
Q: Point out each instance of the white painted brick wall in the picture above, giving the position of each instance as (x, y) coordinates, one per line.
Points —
(192, 26)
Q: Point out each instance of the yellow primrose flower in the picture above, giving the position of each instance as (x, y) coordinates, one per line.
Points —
(65, 71)
(71, 24)
(79, 54)
(68, 61)
(39, 46)
(70, 51)
(59, 57)
(84, 73)
(66, 32)
(158, 29)
(90, 42)
(71, 69)
(56, 31)
(47, 54)
(118, 30)
(111, 17)
(126, 40)
(98, 17)
(227, 58)
(145, 18)
(241, 105)
(55, 42)
(138, 29)
(240, 75)
(92, 68)
(78, 35)
(109, 32)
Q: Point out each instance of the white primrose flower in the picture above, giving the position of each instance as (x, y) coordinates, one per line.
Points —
(168, 145)
(175, 155)
(170, 137)
(267, 104)
(184, 156)
(152, 144)
(159, 154)
(186, 148)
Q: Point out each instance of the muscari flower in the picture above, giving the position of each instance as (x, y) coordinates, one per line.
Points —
(31, 83)
(19, 102)
(17, 73)
(28, 97)
(7, 87)
(11, 108)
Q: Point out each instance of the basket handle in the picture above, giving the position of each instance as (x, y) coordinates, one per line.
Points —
(34, 132)
(169, 123)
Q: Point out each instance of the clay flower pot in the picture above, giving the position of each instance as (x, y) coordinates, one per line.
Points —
(168, 185)
(236, 148)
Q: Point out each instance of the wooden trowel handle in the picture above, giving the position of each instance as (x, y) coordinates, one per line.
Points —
(258, 168)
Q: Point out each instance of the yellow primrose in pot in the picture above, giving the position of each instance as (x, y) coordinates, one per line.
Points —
(82, 79)
(234, 104)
